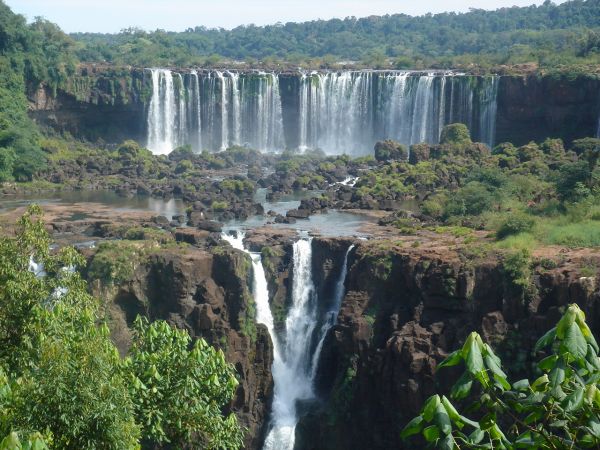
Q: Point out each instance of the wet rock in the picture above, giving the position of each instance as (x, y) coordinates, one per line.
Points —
(209, 225)
(298, 213)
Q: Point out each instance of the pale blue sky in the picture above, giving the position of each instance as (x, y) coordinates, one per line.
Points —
(177, 15)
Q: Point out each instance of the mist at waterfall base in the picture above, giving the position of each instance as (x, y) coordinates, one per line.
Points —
(337, 112)
(296, 353)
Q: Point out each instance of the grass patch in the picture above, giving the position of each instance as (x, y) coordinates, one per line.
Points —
(521, 241)
(582, 234)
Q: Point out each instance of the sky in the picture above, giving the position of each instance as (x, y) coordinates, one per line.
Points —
(111, 16)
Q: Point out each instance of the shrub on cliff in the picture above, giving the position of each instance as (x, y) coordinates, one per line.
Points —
(515, 224)
(558, 410)
(389, 150)
(455, 133)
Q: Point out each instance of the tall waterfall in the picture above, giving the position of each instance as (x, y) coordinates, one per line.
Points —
(214, 110)
(338, 112)
(260, 291)
(296, 355)
(295, 371)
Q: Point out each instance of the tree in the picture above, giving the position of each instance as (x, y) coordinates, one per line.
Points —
(179, 393)
(61, 375)
(588, 149)
(62, 367)
(558, 410)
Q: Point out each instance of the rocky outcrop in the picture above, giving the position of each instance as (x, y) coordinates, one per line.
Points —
(403, 312)
(97, 103)
(207, 294)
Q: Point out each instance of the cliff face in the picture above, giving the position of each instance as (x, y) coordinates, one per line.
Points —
(96, 104)
(110, 105)
(207, 294)
(403, 312)
(534, 108)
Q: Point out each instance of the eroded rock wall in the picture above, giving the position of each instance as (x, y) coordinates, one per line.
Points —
(403, 312)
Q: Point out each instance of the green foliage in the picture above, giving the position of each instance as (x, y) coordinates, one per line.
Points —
(61, 363)
(548, 34)
(572, 179)
(218, 205)
(455, 133)
(517, 267)
(515, 224)
(558, 410)
(29, 54)
(390, 150)
(178, 392)
(472, 199)
(582, 234)
(115, 261)
(61, 375)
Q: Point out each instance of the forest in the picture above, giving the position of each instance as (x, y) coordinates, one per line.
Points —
(548, 34)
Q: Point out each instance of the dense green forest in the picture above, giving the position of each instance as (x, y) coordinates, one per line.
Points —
(29, 54)
(548, 34)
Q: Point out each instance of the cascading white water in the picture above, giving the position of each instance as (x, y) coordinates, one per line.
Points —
(331, 318)
(260, 291)
(295, 372)
(291, 373)
(162, 125)
(295, 362)
(225, 87)
(487, 115)
(338, 112)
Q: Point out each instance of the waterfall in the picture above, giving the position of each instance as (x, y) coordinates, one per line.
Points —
(260, 291)
(235, 107)
(295, 372)
(331, 318)
(296, 356)
(162, 126)
(224, 110)
(489, 106)
(338, 112)
(292, 372)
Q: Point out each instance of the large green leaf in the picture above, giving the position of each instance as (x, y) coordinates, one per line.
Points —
(476, 436)
(574, 342)
(430, 406)
(545, 340)
(413, 427)
(452, 359)
(567, 320)
(548, 363)
(573, 401)
(431, 433)
(493, 366)
(474, 359)
(462, 387)
(442, 420)
(557, 376)
(521, 385)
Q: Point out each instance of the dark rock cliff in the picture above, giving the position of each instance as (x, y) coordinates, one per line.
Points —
(96, 104)
(533, 108)
(403, 312)
(207, 294)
